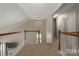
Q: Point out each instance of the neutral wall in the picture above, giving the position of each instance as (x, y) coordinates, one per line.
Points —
(50, 26)
(66, 21)
(49, 29)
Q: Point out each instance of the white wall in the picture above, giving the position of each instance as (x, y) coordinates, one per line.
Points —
(66, 18)
(50, 26)
(49, 30)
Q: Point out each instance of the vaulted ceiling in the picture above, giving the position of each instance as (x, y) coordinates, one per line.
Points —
(14, 14)
(37, 10)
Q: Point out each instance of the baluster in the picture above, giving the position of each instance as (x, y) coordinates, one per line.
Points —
(65, 44)
(72, 45)
(25, 36)
(10, 48)
(77, 47)
(6, 45)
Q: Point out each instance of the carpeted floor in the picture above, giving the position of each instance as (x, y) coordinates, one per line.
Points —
(39, 50)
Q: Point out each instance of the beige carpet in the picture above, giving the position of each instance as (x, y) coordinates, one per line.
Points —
(39, 50)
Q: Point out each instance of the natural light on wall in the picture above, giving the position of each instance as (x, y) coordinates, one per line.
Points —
(55, 15)
(61, 18)
(39, 36)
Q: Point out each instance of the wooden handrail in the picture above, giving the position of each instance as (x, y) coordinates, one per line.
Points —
(76, 34)
(9, 33)
(31, 31)
(71, 33)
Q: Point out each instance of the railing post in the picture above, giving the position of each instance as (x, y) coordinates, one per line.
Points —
(25, 36)
(59, 40)
(38, 37)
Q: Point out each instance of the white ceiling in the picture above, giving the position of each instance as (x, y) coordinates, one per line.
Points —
(42, 10)
(12, 14)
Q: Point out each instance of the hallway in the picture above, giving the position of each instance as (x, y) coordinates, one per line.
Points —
(33, 29)
(39, 50)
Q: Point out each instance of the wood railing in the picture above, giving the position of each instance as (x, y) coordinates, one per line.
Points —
(71, 34)
(76, 34)
(10, 33)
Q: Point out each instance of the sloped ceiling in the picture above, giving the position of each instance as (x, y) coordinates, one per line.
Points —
(42, 10)
(12, 14)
